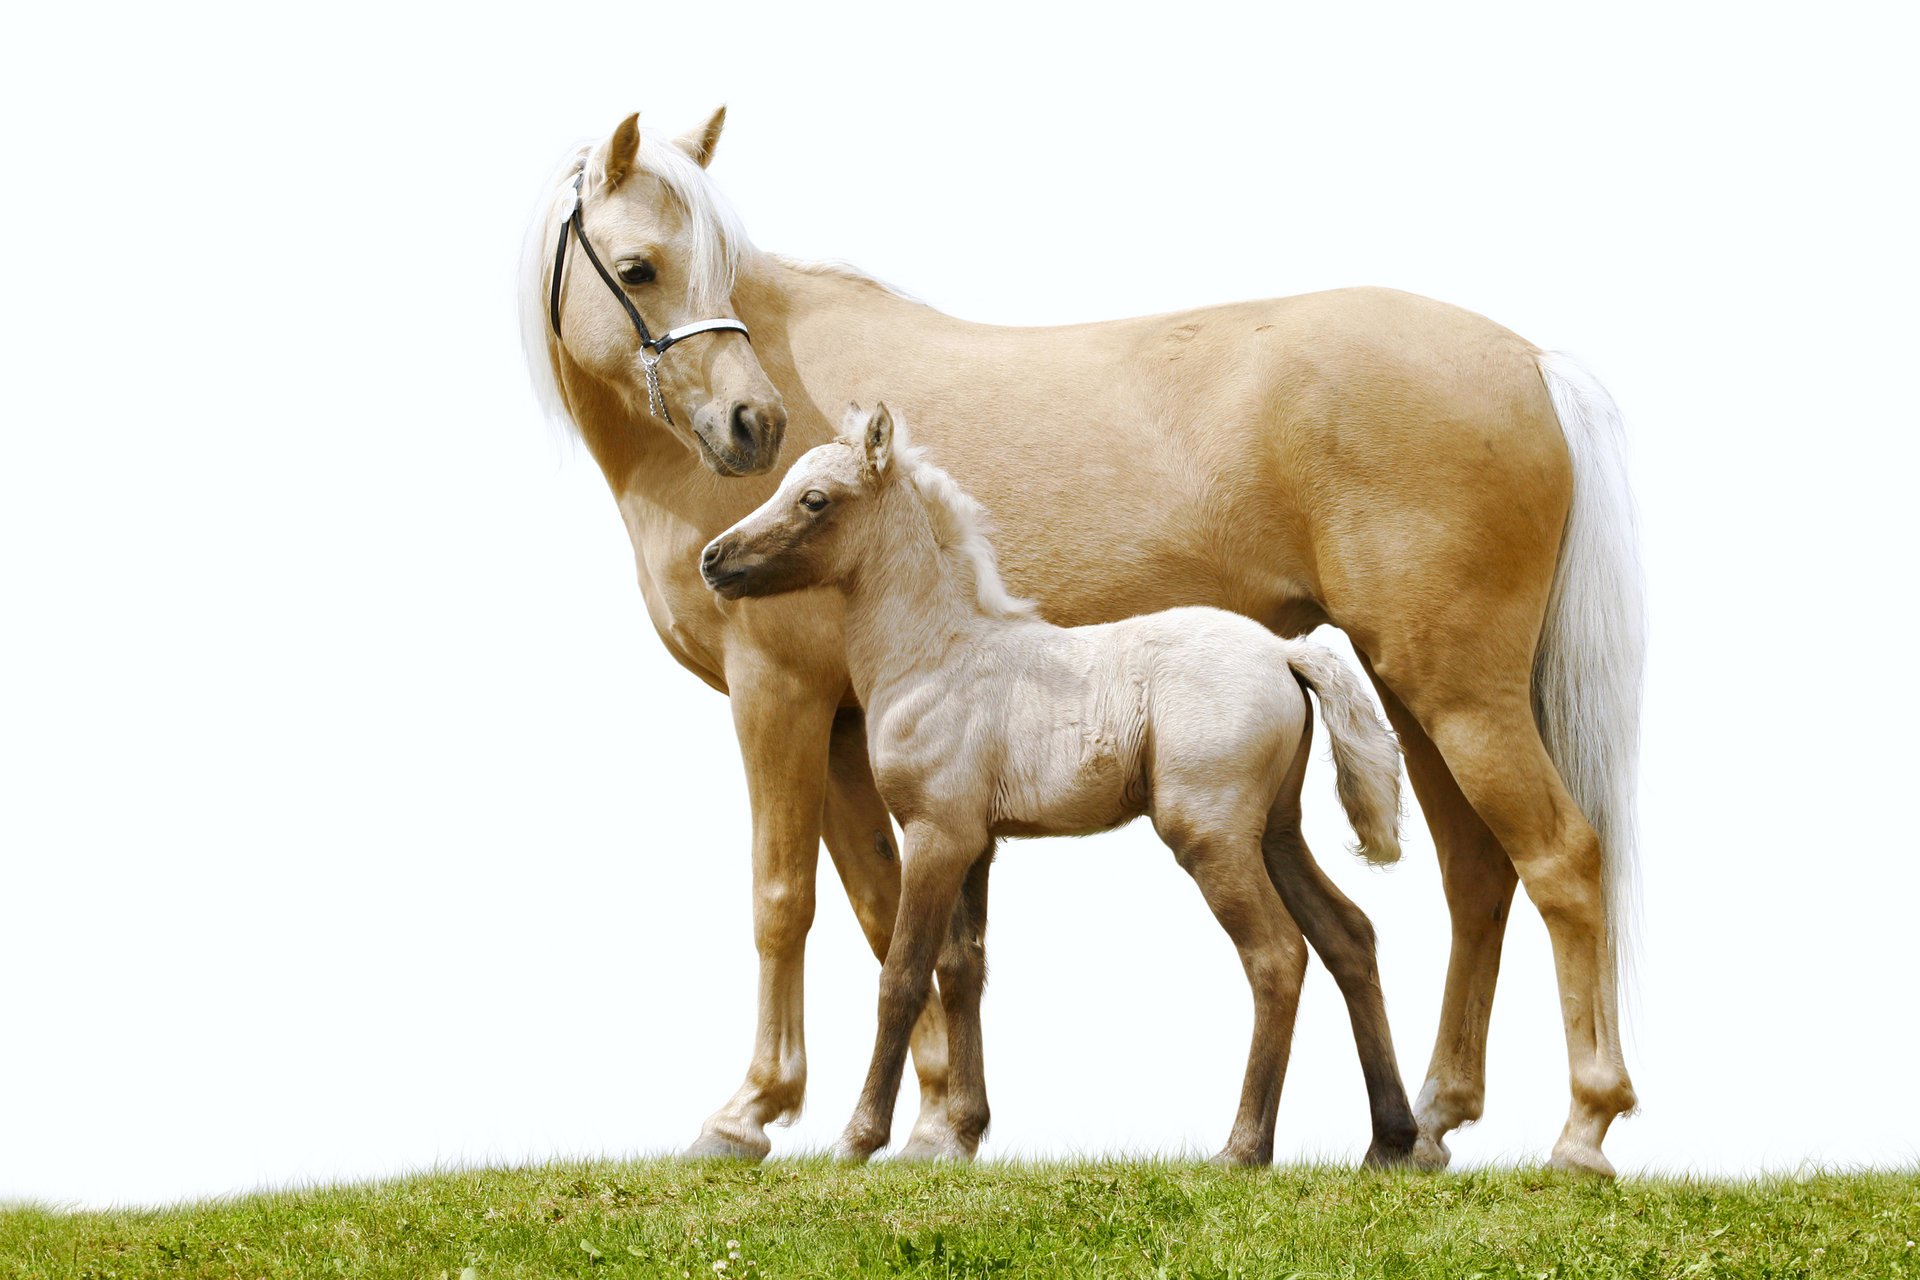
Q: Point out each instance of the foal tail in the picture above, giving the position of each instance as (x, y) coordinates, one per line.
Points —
(1592, 656)
(1366, 758)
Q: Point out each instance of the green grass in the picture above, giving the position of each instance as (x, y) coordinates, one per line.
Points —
(809, 1218)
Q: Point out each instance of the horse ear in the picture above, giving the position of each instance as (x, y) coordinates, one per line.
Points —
(879, 439)
(622, 149)
(699, 143)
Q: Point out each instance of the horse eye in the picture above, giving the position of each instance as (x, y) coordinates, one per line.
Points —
(636, 272)
(813, 500)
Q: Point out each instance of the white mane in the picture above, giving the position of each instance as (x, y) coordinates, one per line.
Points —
(719, 245)
(960, 527)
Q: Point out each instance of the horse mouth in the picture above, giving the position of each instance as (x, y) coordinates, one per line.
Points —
(727, 463)
(716, 461)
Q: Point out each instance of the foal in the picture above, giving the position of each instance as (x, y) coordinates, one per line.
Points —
(984, 721)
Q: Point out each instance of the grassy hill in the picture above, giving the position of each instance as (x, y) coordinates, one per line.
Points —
(813, 1219)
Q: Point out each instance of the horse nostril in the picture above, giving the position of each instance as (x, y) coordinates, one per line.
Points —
(711, 556)
(743, 422)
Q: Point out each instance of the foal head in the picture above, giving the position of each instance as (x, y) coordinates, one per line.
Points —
(650, 215)
(811, 531)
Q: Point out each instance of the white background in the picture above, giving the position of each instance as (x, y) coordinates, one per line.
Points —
(352, 819)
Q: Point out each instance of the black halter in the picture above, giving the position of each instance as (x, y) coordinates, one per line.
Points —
(651, 348)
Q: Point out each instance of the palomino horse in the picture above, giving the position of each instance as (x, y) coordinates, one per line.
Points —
(1447, 493)
(984, 720)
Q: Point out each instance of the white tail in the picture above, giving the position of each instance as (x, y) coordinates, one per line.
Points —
(1366, 757)
(1588, 672)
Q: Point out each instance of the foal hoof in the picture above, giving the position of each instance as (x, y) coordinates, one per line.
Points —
(1581, 1158)
(1231, 1159)
(1392, 1155)
(857, 1147)
(714, 1145)
(1430, 1153)
(927, 1148)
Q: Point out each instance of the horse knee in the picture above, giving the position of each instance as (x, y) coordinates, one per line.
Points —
(782, 915)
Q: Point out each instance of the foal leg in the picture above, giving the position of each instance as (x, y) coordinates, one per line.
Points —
(859, 838)
(782, 721)
(962, 971)
(934, 867)
(1479, 880)
(1343, 936)
(1227, 865)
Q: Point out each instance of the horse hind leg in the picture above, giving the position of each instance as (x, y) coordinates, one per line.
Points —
(859, 838)
(1478, 879)
(1494, 752)
(1227, 866)
(1343, 937)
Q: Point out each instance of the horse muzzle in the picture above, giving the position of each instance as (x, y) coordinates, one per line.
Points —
(746, 442)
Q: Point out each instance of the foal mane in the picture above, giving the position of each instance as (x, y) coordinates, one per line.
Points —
(960, 528)
(720, 244)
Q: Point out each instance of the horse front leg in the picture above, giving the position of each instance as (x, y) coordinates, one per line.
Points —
(783, 721)
(859, 836)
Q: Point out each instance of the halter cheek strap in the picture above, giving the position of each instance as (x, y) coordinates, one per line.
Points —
(651, 348)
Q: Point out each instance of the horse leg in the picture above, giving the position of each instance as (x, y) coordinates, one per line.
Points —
(934, 869)
(783, 722)
(1343, 936)
(859, 838)
(1479, 880)
(962, 970)
(1493, 749)
(1232, 876)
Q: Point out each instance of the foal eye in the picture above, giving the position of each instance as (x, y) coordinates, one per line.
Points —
(640, 272)
(813, 500)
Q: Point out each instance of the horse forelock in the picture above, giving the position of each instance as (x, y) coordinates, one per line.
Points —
(961, 527)
(718, 245)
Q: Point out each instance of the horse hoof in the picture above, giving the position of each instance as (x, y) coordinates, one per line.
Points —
(1430, 1153)
(713, 1145)
(1581, 1158)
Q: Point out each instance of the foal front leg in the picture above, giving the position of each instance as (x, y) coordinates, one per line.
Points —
(859, 836)
(934, 865)
(782, 720)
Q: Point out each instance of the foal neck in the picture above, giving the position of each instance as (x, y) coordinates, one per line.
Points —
(909, 607)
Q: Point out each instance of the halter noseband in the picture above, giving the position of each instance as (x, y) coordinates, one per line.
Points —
(651, 348)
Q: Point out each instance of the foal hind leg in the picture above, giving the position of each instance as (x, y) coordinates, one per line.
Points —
(859, 838)
(1224, 859)
(1343, 936)
(1479, 880)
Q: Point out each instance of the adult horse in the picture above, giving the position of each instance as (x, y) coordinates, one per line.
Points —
(1445, 492)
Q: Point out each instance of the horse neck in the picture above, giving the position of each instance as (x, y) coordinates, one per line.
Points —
(820, 320)
(907, 612)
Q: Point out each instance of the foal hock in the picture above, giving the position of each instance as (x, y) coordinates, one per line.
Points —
(984, 721)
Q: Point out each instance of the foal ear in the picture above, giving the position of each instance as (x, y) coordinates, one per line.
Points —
(700, 142)
(622, 149)
(879, 439)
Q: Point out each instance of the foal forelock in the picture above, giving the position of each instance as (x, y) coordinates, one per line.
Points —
(718, 244)
(960, 526)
